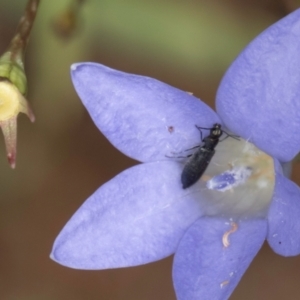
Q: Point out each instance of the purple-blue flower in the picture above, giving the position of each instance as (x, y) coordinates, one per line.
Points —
(143, 214)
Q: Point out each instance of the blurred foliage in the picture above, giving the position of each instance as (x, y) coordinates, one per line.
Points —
(62, 158)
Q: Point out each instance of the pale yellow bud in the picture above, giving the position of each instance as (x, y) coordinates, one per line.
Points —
(11, 101)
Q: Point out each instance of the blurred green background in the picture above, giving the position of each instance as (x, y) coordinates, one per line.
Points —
(62, 158)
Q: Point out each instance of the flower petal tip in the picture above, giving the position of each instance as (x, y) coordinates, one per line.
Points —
(61, 255)
(53, 257)
(80, 65)
(56, 256)
(12, 159)
(31, 115)
(74, 66)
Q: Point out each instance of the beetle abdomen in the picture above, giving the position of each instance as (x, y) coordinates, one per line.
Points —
(196, 166)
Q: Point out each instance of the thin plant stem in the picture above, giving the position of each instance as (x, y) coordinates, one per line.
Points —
(19, 42)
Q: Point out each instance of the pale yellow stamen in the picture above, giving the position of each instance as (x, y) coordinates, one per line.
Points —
(224, 283)
(225, 238)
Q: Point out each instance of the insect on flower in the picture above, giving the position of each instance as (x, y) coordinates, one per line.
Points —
(146, 222)
(199, 161)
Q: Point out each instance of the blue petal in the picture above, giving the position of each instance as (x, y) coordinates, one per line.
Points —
(137, 217)
(204, 268)
(284, 218)
(142, 117)
(259, 95)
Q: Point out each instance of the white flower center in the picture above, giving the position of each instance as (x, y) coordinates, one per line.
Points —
(238, 182)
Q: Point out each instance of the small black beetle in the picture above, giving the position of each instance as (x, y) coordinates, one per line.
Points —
(198, 162)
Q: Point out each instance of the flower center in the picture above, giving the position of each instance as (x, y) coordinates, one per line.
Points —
(238, 182)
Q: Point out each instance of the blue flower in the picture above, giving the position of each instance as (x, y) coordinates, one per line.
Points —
(143, 214)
